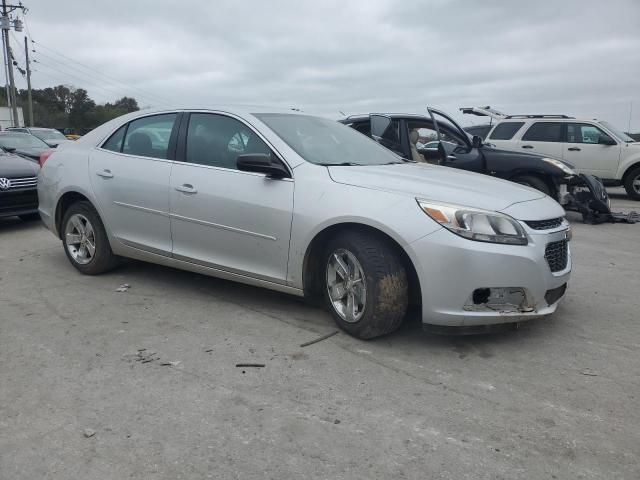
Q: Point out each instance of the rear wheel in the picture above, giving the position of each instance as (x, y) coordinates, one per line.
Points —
(85, 240)
(533, 182)
(366, 287)
(632, 183)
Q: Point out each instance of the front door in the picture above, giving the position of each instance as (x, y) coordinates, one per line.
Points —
(130, 177)
(583, 149)
(225, 218)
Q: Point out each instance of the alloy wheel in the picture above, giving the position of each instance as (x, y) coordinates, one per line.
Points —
(346, 285)
(80, 239)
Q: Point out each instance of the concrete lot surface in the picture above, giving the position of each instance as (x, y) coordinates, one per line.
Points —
(559, 398)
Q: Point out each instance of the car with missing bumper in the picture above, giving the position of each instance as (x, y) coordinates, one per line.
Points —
(307, 206)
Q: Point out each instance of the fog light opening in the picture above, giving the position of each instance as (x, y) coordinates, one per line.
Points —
(481, 295)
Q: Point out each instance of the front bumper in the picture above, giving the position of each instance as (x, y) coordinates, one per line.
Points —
(18, 202)
(468, 283)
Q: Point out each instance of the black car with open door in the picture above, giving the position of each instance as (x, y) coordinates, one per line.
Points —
(436, 138)
(18, 187)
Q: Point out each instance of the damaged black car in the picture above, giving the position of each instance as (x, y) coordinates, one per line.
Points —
(436, 138)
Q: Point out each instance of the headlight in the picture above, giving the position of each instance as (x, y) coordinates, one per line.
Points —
(561, 165)
(476, 224)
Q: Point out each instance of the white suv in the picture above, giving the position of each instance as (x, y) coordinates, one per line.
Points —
(593, 146)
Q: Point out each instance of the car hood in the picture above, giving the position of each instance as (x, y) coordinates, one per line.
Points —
(14, 166)
(437, 183)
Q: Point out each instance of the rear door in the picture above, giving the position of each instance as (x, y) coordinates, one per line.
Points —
(543, 137)
(130, 177)
(222, 217)
(582, 149)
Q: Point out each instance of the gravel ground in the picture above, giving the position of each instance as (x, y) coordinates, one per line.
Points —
(80, 399)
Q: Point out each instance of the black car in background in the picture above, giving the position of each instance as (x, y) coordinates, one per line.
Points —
(18, 187)
(422, 138)
(23, 144)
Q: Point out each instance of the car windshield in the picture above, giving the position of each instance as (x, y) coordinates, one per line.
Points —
(327, 142)
(48, 134)
(21, 140)
(618, 133)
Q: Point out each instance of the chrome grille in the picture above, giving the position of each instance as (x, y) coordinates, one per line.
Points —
(545, 224)
(557, 255)
(24, 182)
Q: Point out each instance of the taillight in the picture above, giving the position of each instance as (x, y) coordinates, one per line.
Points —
(45, 155)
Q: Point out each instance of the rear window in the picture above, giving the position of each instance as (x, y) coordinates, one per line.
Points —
(544, 132)
(505, 131)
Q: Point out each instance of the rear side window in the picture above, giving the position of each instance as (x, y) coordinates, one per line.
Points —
(149, 136)
(505, 130)
(115, 141)
(544, 132)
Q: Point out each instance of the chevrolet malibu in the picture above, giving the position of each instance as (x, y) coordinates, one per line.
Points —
(307, 206)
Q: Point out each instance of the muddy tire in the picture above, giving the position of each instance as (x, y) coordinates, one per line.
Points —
(533, 182)
(632, 183)
(365, 284)
(85, 241)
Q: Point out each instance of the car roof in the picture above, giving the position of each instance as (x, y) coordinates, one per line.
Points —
(396, 116)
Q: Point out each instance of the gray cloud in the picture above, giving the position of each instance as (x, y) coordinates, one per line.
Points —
(575, 57)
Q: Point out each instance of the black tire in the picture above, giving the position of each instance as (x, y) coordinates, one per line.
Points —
(533, 182)
(387, 292)
(632, 176)
(103, 260)
(30, 217)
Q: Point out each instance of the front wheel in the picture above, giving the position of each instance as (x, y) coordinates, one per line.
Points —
(85, 240)
(533, 182)
(632, 184)
(366, 287)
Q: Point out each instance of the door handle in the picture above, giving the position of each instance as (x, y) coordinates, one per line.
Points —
(451, 157)
(105, 173)
(573, 149)
(186, 188)
(527, 146)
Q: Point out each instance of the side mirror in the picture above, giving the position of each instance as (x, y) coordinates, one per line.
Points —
(606, 140)
(262, 163)
(476, 141)
(379, 126)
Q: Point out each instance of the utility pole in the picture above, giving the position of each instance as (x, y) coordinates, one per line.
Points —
(29, 99)
(5, 24)
(12, 86)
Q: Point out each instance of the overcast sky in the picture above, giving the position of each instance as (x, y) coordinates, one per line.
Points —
(519, 56)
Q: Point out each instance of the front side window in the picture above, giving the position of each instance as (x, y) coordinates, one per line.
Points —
(544, 132)
(217, 140)
(583, 133)
(149, 136)
(505, 130)
(326, 142)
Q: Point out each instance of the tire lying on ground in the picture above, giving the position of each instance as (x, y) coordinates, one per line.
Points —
(365, 284)
(85, 241)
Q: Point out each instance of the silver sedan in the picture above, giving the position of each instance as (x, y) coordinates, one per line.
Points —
(307, 206)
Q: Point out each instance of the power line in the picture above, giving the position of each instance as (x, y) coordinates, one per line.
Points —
(67, 74)
(92, 77)
(113, 79)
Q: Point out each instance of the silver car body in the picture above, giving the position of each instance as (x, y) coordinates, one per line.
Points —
(246, 227)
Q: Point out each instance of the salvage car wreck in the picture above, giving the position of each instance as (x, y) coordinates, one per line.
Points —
(436, 138)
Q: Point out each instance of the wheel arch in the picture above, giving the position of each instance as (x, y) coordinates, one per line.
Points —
(546, 177)
(312, 268)
(629, 169)
(64, 202)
